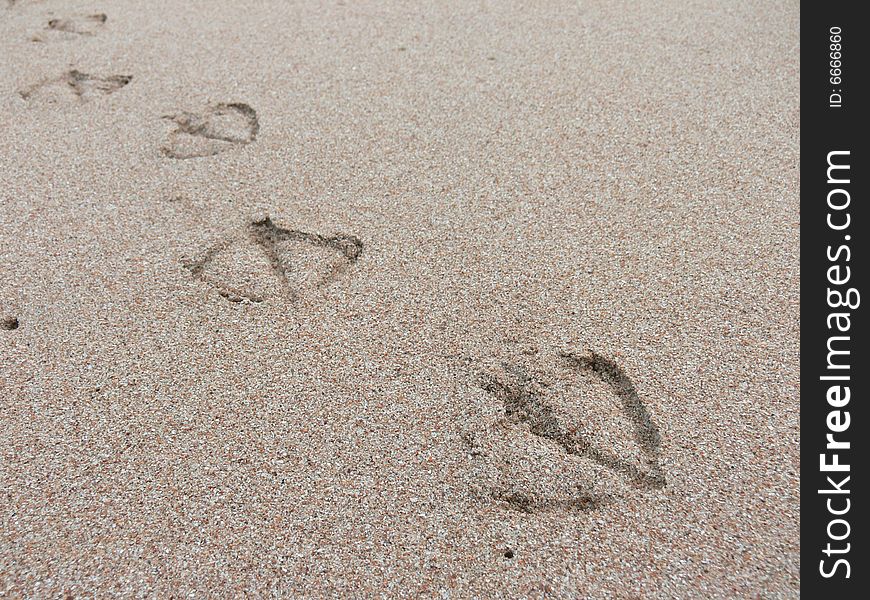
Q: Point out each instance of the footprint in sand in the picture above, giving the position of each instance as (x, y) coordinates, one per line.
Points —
(74, 87)
(564, 422)
(266, 261)
(218, 128)
(71, 27)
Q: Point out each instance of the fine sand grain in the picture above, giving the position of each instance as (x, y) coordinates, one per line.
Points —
(412, 299)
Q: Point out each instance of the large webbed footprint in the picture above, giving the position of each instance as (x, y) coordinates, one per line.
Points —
(266, 260)
(218, 128)
(74, 87)
(572, 414)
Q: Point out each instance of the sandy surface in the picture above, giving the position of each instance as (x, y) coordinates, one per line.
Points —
(366, 298)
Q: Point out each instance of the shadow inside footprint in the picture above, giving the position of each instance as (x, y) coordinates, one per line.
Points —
(75, 86)
(218, 128)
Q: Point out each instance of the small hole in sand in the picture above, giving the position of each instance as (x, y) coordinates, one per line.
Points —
(9, 323)
(508, 553)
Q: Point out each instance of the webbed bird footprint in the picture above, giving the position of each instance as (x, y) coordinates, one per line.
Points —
(575, 414)
(218, 128)
(74, 87)
(266, 261)
(71, 26)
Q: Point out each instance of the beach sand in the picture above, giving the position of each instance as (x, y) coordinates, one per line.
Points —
(461, 299)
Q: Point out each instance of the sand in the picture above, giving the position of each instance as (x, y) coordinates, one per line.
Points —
(398, 299)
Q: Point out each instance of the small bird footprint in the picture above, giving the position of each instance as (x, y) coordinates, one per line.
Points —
(218, 128)
(74, 87)
(265, 260)
(71, 27)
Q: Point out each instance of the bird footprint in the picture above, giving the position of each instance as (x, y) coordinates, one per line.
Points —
(71, 26)
(266, 260)
(74, 87)
(218, 128)
(574, 414)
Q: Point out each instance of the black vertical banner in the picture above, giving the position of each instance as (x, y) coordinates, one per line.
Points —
(834, 266)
